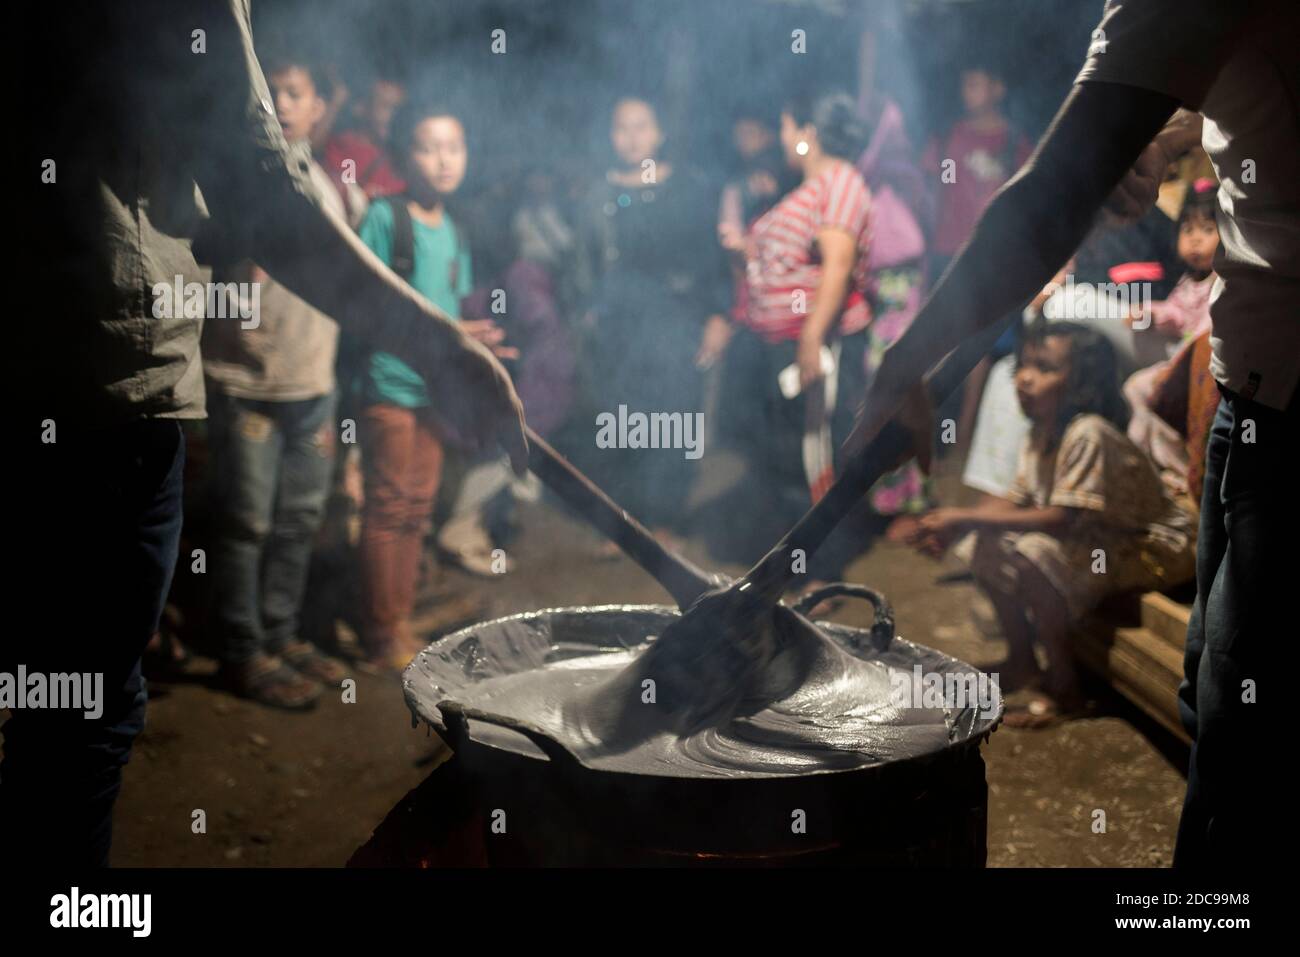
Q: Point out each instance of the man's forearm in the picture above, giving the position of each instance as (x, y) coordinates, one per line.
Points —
(1032, 226)
(1181, 134)
(268, 209)
(344, 279)
(1001, 266)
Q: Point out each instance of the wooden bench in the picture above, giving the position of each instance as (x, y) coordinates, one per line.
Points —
(1143, 661)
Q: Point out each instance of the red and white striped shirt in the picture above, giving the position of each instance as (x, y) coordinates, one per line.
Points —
(784, 269)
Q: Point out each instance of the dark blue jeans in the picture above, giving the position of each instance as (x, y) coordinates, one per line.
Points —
(1240, 638)
(101, 526)
(271, 466)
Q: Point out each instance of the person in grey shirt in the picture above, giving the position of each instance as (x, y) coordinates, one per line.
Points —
(1161, 76)
(151, 116)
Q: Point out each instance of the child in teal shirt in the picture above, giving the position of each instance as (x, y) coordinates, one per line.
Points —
(402, 444)
(441, 273)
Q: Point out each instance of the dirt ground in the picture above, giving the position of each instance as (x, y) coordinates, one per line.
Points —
(283, 789)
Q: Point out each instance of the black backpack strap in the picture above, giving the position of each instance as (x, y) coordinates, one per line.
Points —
(453, 276)
(403, 258)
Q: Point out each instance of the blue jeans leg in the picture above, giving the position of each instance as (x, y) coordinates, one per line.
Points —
(246, 447)
(1250, 527)
(104, 510)
(308, 429)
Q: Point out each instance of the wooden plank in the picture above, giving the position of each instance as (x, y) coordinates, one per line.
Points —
(1139, 665)
(1152, 648)
(1166, 619)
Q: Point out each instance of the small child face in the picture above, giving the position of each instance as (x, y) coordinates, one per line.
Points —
(1041, 376)
(750, 137)
(980, 92)
(385, 97)
(298, 106)
(634, 132)
(1198, 238)
(438, 154)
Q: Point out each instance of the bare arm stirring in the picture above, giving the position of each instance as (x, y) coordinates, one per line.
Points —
(1033, 225)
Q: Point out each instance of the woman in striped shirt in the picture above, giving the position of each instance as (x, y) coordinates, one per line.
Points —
(805, 263)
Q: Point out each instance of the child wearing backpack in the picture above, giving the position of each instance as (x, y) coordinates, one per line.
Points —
(402, 442)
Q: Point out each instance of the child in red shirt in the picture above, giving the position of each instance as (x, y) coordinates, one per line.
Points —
(984, 150)
(359, 154)
(979, 154)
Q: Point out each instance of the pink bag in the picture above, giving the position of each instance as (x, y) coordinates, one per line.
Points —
(896, 236)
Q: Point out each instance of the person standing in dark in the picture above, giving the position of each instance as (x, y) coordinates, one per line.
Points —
(755, 187)
(160, 119)
(654, 276)
(272, 436)
(807, 307)
(756, 181)
(1128, 116)
(978, 153)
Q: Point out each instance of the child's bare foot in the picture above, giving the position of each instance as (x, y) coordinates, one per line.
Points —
(1012, 675)
(1038, 710)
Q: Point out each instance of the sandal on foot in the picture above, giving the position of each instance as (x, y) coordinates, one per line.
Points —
(386, 663)
(1036, 712)
(388, 658)
(306, 659)
(269, 681)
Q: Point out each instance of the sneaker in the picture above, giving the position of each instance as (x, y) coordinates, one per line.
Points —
(464, 542)
(386, 663)
(390, 654)
(391, 661)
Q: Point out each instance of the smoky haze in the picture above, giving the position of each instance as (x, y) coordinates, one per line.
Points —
(546, 101)
(544, 104)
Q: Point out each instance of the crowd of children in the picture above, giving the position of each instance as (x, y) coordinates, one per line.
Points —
(630, 292)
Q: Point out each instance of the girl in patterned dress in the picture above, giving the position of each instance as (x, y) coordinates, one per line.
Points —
(1087, 516)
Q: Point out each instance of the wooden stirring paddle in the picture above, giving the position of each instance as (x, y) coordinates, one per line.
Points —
(720, 653)
(683, 580)
(714, 658)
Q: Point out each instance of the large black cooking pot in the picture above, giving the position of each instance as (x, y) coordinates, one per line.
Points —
(540, 804)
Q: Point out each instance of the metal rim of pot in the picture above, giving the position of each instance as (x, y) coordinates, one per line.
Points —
(452, 717)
